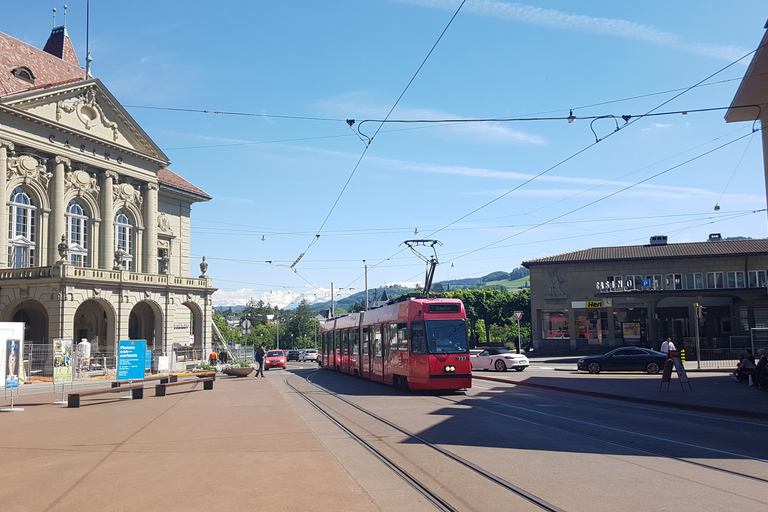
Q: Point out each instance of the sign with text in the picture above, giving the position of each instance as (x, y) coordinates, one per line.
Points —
(130, 359)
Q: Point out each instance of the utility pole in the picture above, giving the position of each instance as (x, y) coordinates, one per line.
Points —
(332, 304)
(366, 285)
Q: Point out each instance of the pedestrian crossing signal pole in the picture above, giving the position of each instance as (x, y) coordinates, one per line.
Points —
(697, 310)
(518, 316)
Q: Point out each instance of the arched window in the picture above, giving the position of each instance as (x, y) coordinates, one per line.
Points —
(77, 235)
(21, 242)
(124, 239)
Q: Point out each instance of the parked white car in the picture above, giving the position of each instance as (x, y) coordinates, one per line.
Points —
(309, 354)
(499, 359)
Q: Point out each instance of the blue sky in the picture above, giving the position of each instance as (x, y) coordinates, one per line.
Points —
(494, 193)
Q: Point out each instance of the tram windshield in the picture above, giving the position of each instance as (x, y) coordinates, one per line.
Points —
(447, 336)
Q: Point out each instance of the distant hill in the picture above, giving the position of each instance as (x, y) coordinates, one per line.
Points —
(508, 281)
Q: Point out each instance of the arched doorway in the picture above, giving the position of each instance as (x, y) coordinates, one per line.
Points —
(35, 319)
(95, 322)
(196, 332)
(145, 323)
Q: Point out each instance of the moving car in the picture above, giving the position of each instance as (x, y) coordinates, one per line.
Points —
(308, 355)
(293, 355)
(275, 358)
(624, 359)
(499, 359)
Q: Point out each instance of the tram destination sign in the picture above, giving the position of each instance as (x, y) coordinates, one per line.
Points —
(443, 308)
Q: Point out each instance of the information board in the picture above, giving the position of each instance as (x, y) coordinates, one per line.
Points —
(12, 362)
(130, 359)
(62, 360)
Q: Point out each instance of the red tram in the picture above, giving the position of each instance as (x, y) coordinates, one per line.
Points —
(414, 344)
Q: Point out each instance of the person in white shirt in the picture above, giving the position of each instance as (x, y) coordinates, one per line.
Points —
(667, 346)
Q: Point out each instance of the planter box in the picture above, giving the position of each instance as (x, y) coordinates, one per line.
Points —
(237, 372)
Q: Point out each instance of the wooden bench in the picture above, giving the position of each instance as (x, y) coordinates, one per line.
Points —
(160, 389)
(162, 378)
(137, 393)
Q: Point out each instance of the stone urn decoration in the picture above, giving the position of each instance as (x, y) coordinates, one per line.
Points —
(203, 269)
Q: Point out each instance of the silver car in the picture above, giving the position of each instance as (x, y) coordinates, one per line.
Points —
(309, 354)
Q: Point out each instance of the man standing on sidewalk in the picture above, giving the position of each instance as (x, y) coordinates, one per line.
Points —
(667, 346)
(260, 355)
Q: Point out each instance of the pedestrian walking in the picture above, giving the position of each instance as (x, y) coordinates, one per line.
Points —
(212, 358)
(260, 355)
(667, 346)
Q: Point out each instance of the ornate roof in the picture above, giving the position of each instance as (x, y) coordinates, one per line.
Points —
(171, 179)
(47, 70)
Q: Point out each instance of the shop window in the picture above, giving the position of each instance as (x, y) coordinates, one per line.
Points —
(761, 317)
(756, 278)
(715, 280)
(674, 282)
(735, 280)
(744, 319)
(555, 325)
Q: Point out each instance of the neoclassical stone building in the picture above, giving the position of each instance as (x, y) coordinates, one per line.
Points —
(96, 226)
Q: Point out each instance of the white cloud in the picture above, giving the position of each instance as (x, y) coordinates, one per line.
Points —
(579, 22)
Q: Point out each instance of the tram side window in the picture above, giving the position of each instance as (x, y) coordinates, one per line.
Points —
(418, 340)
(402, 336)
(393, 337)
(355, 342)
(345, 342)
(336, 341)
(377, 341)
(366, 342)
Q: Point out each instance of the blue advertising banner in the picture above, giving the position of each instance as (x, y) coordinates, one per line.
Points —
(130, 359)
(148, 360)
(12, 359)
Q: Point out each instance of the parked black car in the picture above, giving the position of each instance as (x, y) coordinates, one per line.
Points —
(624, 359)
(293, 355)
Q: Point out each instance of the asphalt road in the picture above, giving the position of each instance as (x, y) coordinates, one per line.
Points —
(578, 453)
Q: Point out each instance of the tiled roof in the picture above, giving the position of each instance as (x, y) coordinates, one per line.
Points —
(646, 252)
(171, 179)
(47, 69)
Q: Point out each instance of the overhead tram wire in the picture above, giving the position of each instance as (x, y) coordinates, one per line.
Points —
(597, 140)
(591, 203)
(370, 139)
(627, 123)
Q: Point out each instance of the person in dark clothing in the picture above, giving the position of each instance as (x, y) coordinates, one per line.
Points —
(761, 369)
(223, 357)
(260, 355)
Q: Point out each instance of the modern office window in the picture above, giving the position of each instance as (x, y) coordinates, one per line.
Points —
(655, 282)
(690, 282)
(735, 280)
(756, 278)
(21, 240)
(761, 317)
(673, 282)
(77, 234)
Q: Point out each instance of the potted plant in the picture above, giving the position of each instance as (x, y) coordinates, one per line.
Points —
(237, 368)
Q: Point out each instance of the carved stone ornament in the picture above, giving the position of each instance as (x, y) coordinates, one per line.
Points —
(63, 248)
(96, 292)
(29, 168)
(147, 293)
(82, 181)
(126, 192)
(163, 224)
(87, 110)
(203, 268)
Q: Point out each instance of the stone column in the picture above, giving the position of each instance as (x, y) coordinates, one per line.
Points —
(150, 229)
(107, 240)
(5, 147)
(138, 252)
(58, 207)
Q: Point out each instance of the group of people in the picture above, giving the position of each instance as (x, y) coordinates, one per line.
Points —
(753, 371)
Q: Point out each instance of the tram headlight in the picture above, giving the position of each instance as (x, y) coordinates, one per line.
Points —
(450, 368)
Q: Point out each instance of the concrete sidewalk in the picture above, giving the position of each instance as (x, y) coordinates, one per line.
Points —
(240, 445)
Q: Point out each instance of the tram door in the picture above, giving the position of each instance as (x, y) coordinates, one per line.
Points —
(345, 351)
(354, 357)
(366, 356)
(377, 369)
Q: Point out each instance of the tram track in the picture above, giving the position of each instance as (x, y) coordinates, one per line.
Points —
(432, 496)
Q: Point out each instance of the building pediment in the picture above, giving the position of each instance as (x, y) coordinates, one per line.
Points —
(87, 108)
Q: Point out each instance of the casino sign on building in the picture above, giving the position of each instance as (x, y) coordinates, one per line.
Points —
(605, 297)
(96, 227)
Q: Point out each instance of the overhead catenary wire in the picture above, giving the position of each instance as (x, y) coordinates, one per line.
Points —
(370, 140)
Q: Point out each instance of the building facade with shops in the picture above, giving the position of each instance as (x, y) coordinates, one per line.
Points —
(96, 228)
(601, 298)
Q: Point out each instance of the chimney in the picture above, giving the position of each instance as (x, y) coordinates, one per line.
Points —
(659, 240)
